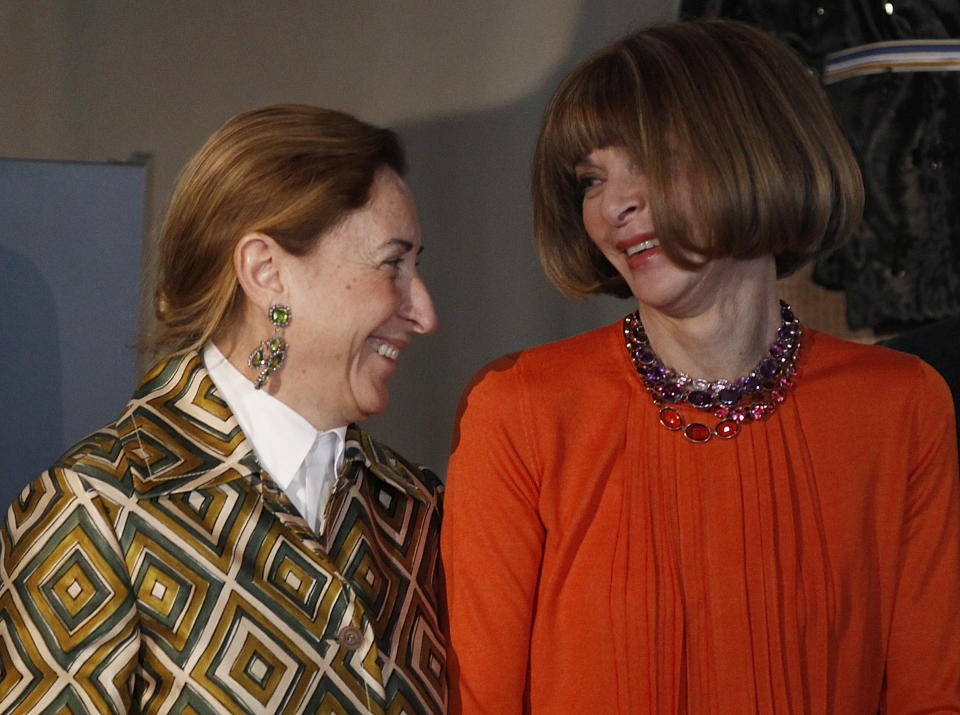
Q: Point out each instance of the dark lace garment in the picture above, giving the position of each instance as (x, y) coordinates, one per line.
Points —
(902, 267)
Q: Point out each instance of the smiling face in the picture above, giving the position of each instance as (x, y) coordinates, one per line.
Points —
(619, 220)
(357, 301)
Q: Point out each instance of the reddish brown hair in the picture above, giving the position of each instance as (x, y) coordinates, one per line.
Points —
(289, 171)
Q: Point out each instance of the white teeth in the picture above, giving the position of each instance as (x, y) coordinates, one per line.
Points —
(645, 246)
(387, 351)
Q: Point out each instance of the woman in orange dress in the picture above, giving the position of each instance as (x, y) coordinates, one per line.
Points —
(703, 507)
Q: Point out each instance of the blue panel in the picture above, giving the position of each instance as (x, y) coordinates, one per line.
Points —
(70, 244)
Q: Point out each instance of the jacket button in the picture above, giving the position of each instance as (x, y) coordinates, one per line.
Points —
(350, 637)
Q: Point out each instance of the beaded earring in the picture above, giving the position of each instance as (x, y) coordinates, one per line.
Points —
(269, 355)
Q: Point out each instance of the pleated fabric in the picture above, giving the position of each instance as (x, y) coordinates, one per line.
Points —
(597, 562)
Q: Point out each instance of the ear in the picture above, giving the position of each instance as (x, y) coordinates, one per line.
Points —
(257, 259)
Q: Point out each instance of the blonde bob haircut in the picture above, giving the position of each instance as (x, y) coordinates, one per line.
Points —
(289, 171)
(728, 107)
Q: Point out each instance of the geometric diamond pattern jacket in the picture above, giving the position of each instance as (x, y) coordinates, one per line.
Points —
(157, 568)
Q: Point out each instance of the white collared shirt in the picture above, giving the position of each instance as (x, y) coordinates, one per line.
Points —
(282, 439)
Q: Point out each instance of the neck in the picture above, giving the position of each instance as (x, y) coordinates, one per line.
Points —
(286, 384)
(720, 335)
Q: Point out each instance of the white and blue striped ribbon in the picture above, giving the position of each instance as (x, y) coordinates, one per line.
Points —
(893, 56)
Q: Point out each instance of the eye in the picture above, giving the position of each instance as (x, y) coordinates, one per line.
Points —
(587, 181)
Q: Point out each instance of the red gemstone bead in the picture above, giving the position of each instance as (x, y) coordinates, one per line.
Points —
(728, 429)
(697, 432)
(670, 418)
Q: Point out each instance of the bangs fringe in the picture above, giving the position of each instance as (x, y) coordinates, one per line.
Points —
(598, 110)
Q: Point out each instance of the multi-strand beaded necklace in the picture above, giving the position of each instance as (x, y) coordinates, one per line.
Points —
(733, 403)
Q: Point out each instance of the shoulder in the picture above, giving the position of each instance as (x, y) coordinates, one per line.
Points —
(865, 374)
(176, 433)
(937, 344)
(390, 466)
(552, 370)
(830, 352)
(73, 499)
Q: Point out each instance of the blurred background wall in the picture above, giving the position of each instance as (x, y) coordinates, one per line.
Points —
(463, 82)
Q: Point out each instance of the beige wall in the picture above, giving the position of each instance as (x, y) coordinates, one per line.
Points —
(464, 83)
(98, 80)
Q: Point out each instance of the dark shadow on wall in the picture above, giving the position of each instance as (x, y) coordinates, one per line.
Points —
(31, 398)
(471, 176)
(71, 243)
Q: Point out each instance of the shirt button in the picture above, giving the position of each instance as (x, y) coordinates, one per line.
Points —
(350, 637)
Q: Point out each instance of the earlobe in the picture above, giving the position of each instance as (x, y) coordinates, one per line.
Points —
(256, 260)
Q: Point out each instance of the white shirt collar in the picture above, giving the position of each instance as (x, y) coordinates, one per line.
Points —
(281, 437)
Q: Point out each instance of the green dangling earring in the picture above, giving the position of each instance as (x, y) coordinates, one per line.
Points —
(269, 355)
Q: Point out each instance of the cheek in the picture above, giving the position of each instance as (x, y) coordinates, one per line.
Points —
(591, 221)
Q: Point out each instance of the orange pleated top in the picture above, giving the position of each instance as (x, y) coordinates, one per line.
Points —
(598, 563)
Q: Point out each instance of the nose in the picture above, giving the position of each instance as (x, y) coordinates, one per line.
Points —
(625, 196)
(419, 309)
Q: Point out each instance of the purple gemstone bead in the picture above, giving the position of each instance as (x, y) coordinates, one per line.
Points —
(768, 368)
(645, 355)
(656, 373)
(751, 384)
(777, 350)
(787, 314)
(786, 331)
(728, 396)
(699, 398)
(671, 392)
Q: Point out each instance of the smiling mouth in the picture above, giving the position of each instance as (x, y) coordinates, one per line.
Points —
(388, 351)
(642, 246)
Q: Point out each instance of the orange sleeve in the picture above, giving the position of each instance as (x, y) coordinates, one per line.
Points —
(923, 656)
(492, 545)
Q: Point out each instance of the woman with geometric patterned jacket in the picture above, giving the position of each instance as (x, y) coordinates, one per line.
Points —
(234, 542)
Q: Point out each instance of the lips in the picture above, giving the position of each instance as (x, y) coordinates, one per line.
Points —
(638, 244)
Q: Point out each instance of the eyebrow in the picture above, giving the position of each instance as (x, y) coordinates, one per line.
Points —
(406, 245)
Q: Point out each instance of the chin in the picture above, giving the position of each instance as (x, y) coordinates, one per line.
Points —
(375, 405)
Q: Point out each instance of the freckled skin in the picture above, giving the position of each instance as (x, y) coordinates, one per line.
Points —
(357, 289)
